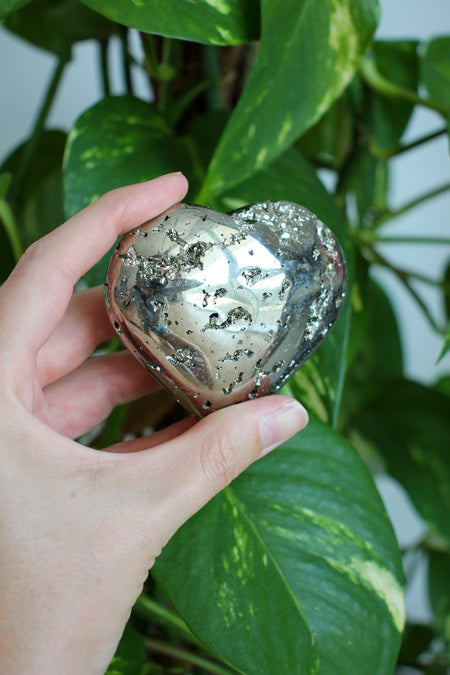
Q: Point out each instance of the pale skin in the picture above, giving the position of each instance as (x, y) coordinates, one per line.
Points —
(80, 528)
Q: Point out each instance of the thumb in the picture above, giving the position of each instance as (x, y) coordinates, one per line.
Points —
(199, 463)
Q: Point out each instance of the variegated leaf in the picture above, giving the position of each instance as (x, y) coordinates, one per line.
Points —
(294, 567)
(215, 22)
(309, 52)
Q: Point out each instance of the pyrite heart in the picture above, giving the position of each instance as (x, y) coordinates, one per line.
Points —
(222, 308)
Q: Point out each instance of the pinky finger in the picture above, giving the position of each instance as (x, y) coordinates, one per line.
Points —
(154, 439)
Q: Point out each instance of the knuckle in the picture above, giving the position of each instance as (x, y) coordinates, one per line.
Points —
(33, 252)
(220, 459)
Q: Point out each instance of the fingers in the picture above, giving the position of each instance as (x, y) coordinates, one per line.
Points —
(84, 326)
(79, 401)
(35, 297)
(154, 439)
(195, 466)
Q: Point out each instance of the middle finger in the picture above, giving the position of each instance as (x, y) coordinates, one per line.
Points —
(84, 326)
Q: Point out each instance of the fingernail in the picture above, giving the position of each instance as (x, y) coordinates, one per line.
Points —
(281, 424)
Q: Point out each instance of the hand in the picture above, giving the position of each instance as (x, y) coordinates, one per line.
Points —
(80, 528)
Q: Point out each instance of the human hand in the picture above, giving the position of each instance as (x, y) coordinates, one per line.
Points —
(80, 528)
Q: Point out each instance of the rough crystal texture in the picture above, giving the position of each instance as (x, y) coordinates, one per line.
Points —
(225, 307)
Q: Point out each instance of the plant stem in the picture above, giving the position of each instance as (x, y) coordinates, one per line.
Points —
(413, 240)
(384, 218)
(188, 657)
(103, 58)
(151, 59)
(149, 609)
(382, 85)
(169, 53)
(384, 154)
(126, 68)
(211, 71)
(10, 225)
(404, 278)
(33, 141)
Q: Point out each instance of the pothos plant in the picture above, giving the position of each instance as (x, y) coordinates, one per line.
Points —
(293, 568)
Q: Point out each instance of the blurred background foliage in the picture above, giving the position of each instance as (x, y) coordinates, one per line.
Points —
(294, 568)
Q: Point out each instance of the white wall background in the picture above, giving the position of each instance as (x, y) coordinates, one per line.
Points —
(25, 72)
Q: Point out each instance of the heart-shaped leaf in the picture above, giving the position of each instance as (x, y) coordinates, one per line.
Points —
(299, 545)
(218, 22)
(309, 52)
(397, 61)
(118, 141)
(414, 439)
(38, 200)
(435, 69)
(376, 350)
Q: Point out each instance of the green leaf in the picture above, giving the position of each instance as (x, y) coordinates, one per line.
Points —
(376, 348)
(56, 25)
(446, 345)
(119, 141)
(443, 385)
(5, 182)
(446, 284)
(296, 555)
(309, 52)
(435, 69)
(130, 656)
(318, 384)
(365, 185)
(205, 131)
(329, 142)
(416, 639)
(439, 590)
(410, 425)
(7, 258)
(398, 62)
(38, 204)
(216, 22)
(8, 6)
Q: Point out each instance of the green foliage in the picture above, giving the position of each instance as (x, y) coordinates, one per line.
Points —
(300, 540)
(61, 23)
(294, 567)
(398, 61)
(436, 69)
(326, 42)
(414, 439)
(119, 141)
(225, 22)
(130, 656)
(8, 6)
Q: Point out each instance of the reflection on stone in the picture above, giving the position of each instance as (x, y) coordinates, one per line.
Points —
(225, 307)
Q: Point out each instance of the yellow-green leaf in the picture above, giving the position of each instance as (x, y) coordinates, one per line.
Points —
(294, 567)
(309, 52)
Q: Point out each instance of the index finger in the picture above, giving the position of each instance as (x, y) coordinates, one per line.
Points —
(34, 298)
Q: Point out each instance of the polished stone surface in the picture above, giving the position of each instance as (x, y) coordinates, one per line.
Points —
(225, 307)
